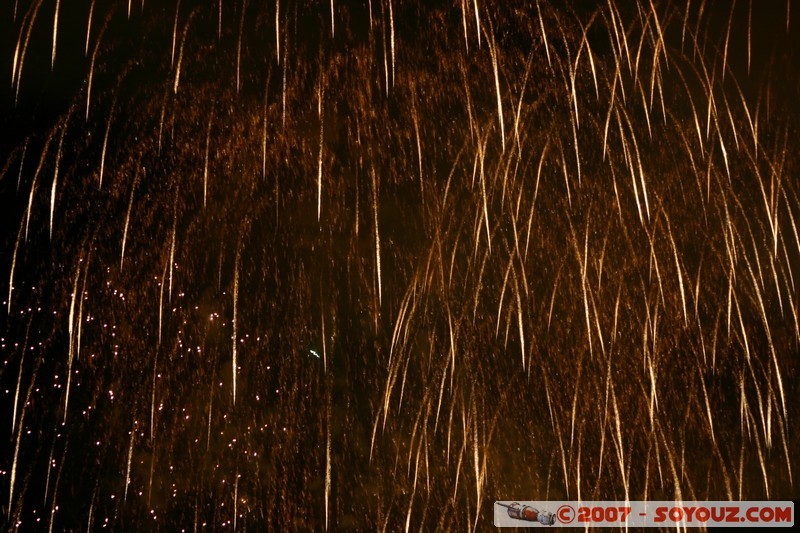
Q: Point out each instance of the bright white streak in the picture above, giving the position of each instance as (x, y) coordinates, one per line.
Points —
(55, 180)
(125, 231)
(172, 253)
(175, 33)
(55, 33)
(319, 166)
(391, 39)
(332, 34)
(89, 28)
(71, 343)
(277, 31)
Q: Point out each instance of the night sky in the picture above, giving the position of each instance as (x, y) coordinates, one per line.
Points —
(374, 265)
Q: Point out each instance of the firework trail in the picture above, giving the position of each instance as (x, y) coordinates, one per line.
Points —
(374, 265)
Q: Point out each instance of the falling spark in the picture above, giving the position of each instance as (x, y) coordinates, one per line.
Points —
(180, 54)
(55, 33)
(680, 276)
(91, 64)
(105, 140)
(319, 164)
(172, 247)
(477, 22)
(332, 31)
(19, 378)
(15, 60)
(49, 470)
(71, 341)
(205, 166)
(464, 23)
(208, 430)
(239, 45)
(13, 266)
(377, 234)
(235, 499)
(263, 134)
(749, 32)
(391, 38)
(327, 463)
(277, 31)
(128, 469)
(544, 34)
(161, 120)
(520, 322)
(17, 67)
(22, 163)
(419, 144)
(161, 284)
(153, 397)
(89, 28)
(80, 308)
(493, 51)
(19, 439)
(152, 470)
(585, 43)
(727, 37)
(234, 363)
(33, 186)
(385, 61)
(175, 33)
(481, 155)
(55, 179)
(283, 82)
(127, 223)
(91, 510)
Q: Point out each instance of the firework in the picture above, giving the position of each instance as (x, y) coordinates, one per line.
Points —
(375, 265)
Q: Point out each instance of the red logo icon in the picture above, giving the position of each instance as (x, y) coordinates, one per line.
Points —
(565, 514)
